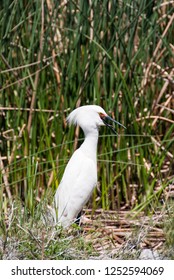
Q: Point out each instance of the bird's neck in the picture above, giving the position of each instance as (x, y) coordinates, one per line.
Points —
(89, 146)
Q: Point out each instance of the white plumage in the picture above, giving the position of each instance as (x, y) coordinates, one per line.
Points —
(80, 175)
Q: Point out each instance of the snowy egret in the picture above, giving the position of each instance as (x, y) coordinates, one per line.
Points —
(80, 175)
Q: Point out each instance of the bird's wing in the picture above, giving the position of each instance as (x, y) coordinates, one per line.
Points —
(78, 181)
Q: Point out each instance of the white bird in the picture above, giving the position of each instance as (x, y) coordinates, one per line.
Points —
(80, 175)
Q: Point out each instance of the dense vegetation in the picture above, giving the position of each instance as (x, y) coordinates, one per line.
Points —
(57, 55)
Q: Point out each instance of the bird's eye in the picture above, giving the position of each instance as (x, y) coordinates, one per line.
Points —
(102, 116)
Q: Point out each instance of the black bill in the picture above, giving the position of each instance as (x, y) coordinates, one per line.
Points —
(108, 118)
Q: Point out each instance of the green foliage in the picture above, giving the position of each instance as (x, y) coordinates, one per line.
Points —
(56, 55)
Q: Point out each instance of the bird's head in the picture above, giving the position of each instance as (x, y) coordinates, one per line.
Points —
(91, 117)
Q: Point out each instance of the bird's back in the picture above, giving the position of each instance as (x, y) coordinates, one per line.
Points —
(76, 186)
